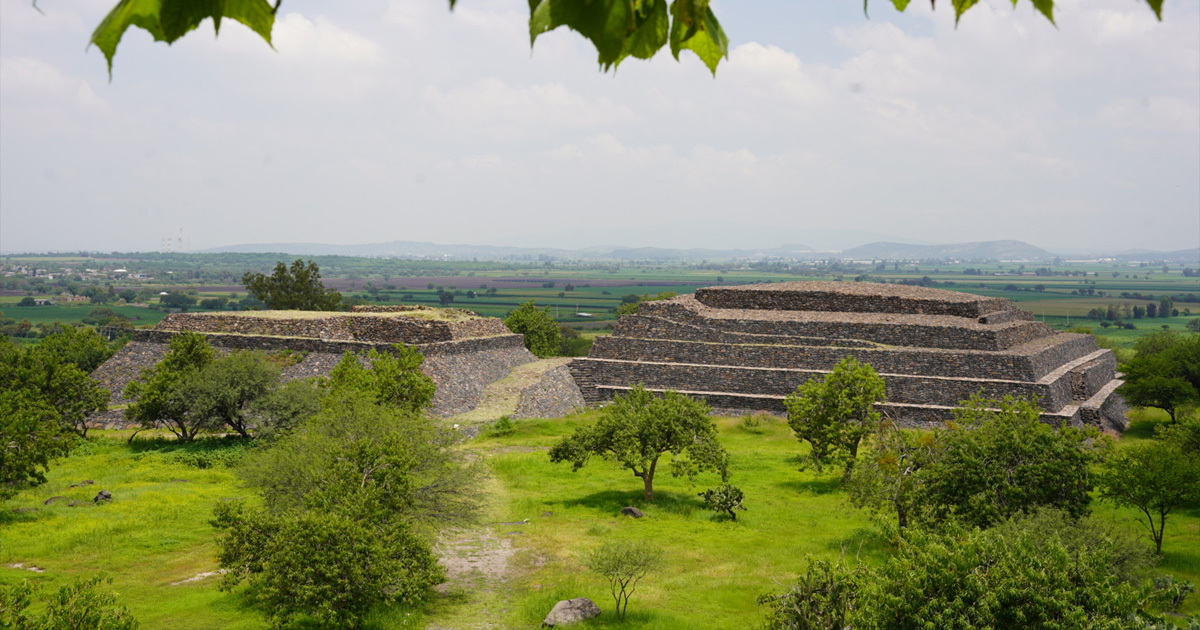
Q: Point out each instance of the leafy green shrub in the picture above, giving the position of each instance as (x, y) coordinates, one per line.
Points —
(502, 427)
(755, 423)
(75, 606)
(326, 566)
(724, 499)
(1032, 572)
(822, 599)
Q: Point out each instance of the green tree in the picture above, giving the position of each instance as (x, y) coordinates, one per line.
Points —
(1156, 478)
(541, 333)
(327, 566)
(890, 478)
(624, 563)
(297, 288)
(393, 378)
(617, 28)
(285, 408)
(999, 459)
(639, 428)
(177, 299)
(159, 393)
(225, 390)
(79, 345)
(32, 437)
(1185, 434)
(373, 461)
(1165, 373)
(836, 412)
(48, 373)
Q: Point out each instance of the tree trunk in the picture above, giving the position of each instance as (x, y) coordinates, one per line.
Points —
(648, 480)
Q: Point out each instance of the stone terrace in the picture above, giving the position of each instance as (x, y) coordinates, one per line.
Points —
(748, 347)
(464, 352)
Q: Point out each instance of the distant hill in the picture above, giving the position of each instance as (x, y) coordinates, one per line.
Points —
(985, 250)
(434, 251)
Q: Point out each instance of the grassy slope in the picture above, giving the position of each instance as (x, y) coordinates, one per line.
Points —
(155, 532)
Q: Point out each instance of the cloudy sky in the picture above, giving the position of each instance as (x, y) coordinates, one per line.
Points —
(376, 121)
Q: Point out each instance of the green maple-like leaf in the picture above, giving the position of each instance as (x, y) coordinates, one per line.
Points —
(168, 20)
(694, 27)
(607, 23)
(650, 32)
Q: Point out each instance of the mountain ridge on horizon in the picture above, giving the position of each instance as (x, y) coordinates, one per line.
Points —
(1006, 249)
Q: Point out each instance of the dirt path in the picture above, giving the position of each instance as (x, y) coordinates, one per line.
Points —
(479, 564)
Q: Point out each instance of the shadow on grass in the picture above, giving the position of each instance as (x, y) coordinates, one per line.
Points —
(814, 486)
(1141, 429)
(611, 502)
(1180, 558)
(203, 452)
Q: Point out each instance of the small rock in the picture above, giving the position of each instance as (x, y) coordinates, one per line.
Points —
(103, 495)
(179, 481)
(632, 511)
(51, 500)
(547, 514)
(77, 503)
(25, 509)
(516, 533)
(85, 482)
(571, 611)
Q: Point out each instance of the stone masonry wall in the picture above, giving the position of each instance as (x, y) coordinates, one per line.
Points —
(916, 331)
(910, 389)
(850, 298)
(369, 327)
(932, 362)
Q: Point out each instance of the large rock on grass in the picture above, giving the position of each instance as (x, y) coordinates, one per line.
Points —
(632, 511)
(569, 611)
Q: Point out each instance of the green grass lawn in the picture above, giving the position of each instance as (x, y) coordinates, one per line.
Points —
(155, 532)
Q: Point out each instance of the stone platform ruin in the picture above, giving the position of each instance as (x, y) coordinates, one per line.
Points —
(747, 347)
(464, 352)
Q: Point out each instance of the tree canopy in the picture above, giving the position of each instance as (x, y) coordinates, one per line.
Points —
(1165, 373)
(639, 428)
(296, 288)
(542, 336)
(617, 28)
(835, 412)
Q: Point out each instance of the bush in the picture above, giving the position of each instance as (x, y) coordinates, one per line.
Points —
(325, 566)
(822, 599)
(502, 427)
(755, 423)
(724, 499)
(76, 606)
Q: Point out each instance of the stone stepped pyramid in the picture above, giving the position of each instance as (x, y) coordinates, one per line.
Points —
(464, 352)
(748, 347)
